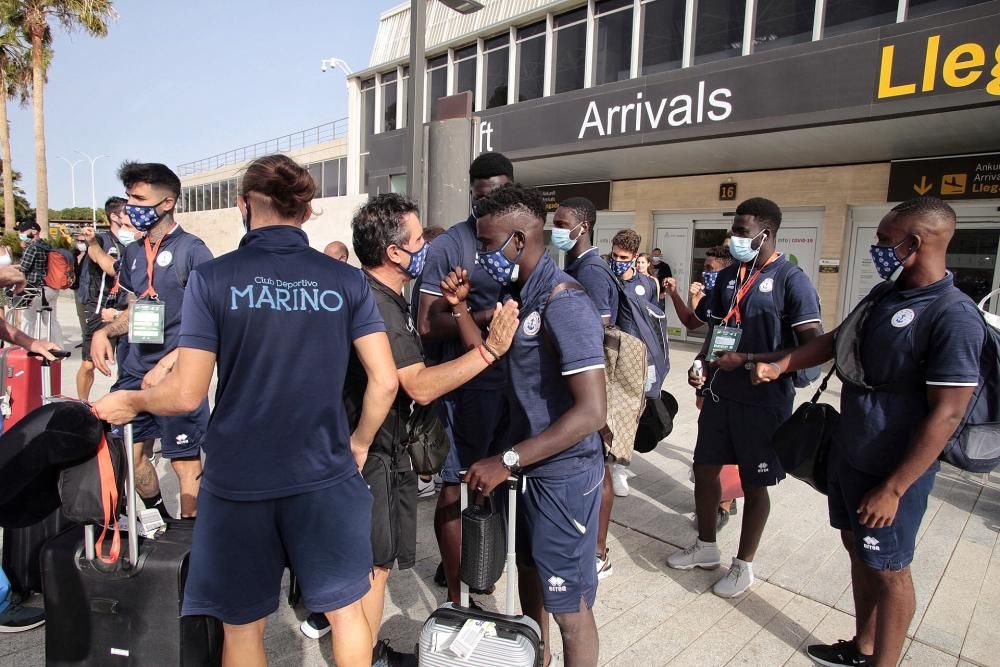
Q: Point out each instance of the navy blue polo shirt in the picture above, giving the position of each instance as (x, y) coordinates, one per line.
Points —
(457, 247)
(557, 338)
(641, 287)
(594, 274)
(877, 428)
(281, 318)
(766, 324)
(177, 256)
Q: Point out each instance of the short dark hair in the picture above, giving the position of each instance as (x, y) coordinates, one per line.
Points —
(378, 224)
(628, 240)
(512, 197)
(584, 210)
(489, 165)
(114, 205)
(924, 206)
(767, 213)
(432, 232)
(29, 226)
(719, 252)
(152, 173)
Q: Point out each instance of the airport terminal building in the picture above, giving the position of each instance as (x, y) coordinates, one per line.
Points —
(667, 113)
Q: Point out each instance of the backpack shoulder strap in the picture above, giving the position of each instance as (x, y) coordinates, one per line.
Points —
(563, 286)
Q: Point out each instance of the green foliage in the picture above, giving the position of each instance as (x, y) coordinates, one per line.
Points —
(13, 244)
(21, 206)
(77, 213)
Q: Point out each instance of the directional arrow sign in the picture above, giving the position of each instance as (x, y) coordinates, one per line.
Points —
(924, 186)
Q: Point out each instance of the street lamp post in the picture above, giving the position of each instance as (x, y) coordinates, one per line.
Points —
(415, 87)
(72, 176)
(93, 190)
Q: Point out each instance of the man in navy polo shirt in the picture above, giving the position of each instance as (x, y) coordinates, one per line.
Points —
(154, 275)
(885, 455)
(474, 416)
(624, 252)
(282, 482)
(756, 304)
(573, 233)
(556, 378)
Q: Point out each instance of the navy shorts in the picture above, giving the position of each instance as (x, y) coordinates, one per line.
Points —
(557, 524)
(889, 548)
(241, 549)
(731, 432)
(476, 422)
(181, 436)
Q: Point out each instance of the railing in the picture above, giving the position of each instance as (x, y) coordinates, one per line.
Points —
(289, 142)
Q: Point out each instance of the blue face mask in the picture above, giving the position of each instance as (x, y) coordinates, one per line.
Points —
(496, 264)
(621, 268)
(24, 237)
(888, 265)
(144, 217)
(708, 278)
(563, 238)
(418, 260)
(742, 249)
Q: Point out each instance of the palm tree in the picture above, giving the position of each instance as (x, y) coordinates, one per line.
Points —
(15, 76)
(93, 17)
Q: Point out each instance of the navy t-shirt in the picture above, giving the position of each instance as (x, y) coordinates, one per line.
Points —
(281, 318)
(557, 337)
(594, 274)
(877, 428)
(642, 287)
(178, 255)
(94, 283)
(457, 247)
(766, 325)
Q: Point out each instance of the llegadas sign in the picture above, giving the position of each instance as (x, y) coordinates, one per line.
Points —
(865, 77)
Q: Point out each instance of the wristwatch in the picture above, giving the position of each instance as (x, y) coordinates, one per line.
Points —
(511, 461)
(749, 365)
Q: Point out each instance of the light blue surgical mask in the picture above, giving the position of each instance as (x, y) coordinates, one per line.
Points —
(24, 237)
(418, 260)
(126, 237)
(742, 249)
(497, 266)
(563, 238)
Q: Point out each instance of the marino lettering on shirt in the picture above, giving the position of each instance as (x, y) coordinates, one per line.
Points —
(178, 255)
(765, 324)
(557, 337)
(877, 428)
(457, 247)
(594, 274)
(281, 318)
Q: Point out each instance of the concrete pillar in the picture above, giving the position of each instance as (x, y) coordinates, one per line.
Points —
(450, 149)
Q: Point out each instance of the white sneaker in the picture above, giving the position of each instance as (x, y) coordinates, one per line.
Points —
(619, 480)
(738, 581)
(425, 489)
(700, 554)
(604, 569)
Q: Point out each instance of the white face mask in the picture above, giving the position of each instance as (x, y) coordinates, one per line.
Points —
(81, 246)
(125, 236)
(5, 259)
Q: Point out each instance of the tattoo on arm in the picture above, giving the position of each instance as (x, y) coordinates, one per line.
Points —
(119, 327)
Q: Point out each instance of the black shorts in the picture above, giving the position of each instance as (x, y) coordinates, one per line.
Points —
(394, 511)
(91, 322)
(731, 432)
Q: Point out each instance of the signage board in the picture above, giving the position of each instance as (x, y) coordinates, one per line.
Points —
(958, 177)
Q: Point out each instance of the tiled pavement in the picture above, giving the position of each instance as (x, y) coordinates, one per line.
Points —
(651, 615)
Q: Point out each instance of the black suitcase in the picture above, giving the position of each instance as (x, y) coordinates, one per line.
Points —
(128, 613)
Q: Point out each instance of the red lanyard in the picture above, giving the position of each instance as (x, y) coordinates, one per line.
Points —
(745, 288)
(151, 253)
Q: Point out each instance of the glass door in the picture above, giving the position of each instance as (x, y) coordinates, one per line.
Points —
(972, 257)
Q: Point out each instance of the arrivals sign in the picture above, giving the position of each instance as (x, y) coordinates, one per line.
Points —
(960, 177)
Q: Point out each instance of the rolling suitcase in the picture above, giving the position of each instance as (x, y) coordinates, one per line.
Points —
(517, 640)
(128, 612)
(27, 382)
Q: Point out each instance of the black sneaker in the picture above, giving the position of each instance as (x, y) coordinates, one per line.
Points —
(315, 626)
(441, 581)
(722, 518)
(734, 509)
(384, 656)
(18, 619)
(841, 653)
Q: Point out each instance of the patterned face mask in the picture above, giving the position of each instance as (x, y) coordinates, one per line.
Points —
(144, 217)
(888, 265)
(496, 264)
(621, 268)
(708, 278)
(418, 260)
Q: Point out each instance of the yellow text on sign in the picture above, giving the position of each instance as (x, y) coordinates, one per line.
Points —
(961, 67)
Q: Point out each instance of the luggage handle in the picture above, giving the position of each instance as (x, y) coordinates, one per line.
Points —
(90, 549)
(511, 542)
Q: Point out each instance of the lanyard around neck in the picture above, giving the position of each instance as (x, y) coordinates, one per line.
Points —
(745, 286)
(151, 253)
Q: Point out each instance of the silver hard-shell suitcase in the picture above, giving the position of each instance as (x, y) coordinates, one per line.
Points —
(517, 642)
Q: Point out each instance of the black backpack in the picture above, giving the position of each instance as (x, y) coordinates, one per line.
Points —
(975, 444)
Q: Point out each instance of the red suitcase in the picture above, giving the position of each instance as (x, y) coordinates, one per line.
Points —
(21, 388)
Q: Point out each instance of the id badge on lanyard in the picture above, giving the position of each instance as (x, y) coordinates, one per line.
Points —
(724, 339)
(147, 321)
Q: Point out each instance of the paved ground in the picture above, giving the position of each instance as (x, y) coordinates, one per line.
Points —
(651, 615)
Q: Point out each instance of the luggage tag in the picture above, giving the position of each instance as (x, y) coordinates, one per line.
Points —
(146, 322)
(724, 339)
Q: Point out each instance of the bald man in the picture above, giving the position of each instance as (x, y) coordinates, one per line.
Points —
(337, 250)
(885, 457)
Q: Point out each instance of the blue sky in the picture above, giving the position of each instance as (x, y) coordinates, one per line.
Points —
(178, 80)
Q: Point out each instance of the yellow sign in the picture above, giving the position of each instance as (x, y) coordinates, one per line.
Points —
(953, 184)
(923, 187)
(961, 67)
